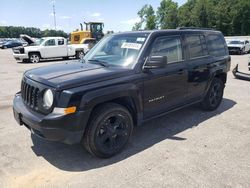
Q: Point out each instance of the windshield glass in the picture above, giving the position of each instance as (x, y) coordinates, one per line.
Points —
(117, 50)
(236, 42)
(38, 42)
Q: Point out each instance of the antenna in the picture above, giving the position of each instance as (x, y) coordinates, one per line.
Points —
(54, 13)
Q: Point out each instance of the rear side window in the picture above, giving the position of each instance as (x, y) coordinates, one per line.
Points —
(60, 41)
(197, 46)
(216, 45)
(168, 46)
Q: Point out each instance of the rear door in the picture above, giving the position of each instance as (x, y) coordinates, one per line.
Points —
(199, 62)
(165, 88)
(62, 50)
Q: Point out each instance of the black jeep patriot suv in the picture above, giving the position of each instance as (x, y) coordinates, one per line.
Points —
(125, 80)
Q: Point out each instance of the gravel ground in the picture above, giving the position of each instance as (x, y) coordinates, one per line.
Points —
(188, 148)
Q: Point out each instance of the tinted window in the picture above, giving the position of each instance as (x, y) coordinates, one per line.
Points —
(76, 37)
(50, 42)
(168, 46)
(216, 45)
(89, 42)
(60, 42)
(197, 46)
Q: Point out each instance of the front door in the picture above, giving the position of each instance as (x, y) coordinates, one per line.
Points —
(165, 88)
(50, 49)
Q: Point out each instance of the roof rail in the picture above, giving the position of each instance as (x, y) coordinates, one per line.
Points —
(192, 28)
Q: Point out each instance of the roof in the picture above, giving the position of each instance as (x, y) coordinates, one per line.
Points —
(182, 30)
(53, 37)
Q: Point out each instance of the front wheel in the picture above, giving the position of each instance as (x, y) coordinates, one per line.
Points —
(214, 95)
(34, 58)
(109, 130)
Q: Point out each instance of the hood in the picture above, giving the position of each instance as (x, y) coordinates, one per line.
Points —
(69, 75)
(235, 45)
(30, 48)
(27, 39)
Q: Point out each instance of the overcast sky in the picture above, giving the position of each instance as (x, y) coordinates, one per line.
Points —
(118, 15)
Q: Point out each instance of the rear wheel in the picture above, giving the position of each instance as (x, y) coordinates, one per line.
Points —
(34, 58)
(109, 130)
(79, 54)
(214, 95)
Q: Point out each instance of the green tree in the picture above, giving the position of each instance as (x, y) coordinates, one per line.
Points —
(241, 18)
(224, 12)
(185, 15)
(167, 14)
(14, 32)
(147, 18)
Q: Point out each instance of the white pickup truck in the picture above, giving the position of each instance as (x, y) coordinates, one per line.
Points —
(238, 46)
(47, 48)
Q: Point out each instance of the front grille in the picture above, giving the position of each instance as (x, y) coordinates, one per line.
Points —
(18, 50)
(233, 48)
(30, 95)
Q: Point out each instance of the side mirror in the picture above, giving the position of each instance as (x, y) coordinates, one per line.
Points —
(155, 62)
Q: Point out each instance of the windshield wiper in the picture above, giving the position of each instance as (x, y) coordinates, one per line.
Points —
(100, 62)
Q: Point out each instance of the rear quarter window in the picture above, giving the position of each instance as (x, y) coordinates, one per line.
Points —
(216, 45)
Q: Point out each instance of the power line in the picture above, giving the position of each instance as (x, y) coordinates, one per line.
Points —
(54, 13)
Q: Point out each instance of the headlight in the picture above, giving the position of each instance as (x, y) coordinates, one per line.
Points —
(48, 99)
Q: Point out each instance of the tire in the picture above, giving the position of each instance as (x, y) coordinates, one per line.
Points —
(242, 51)
(25, 60)
(108, 131)
(80, 54)
(34, 58)
(4, 47)
(214, 95)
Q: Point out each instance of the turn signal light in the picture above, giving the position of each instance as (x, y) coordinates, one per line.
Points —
(70, 110)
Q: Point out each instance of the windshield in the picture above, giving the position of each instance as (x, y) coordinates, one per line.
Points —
(117, 50)
(235, 42)
(38, 42)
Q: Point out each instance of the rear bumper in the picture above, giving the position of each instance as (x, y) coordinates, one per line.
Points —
(68, 129)
(20, 56)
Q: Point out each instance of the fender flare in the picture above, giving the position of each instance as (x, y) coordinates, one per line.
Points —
(35, 52)
(79, 49)
(93, 98)
(213, 75)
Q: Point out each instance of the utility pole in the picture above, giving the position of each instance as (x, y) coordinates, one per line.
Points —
(54, 13)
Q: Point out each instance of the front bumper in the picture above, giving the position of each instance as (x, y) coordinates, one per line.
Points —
(68, 129)
(20, 56)
(234, 50)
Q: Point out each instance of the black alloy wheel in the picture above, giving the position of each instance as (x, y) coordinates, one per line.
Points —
(109, 130)
(214, 95)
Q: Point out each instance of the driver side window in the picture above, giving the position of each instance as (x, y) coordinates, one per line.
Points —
(50, 42)
(169, 46)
